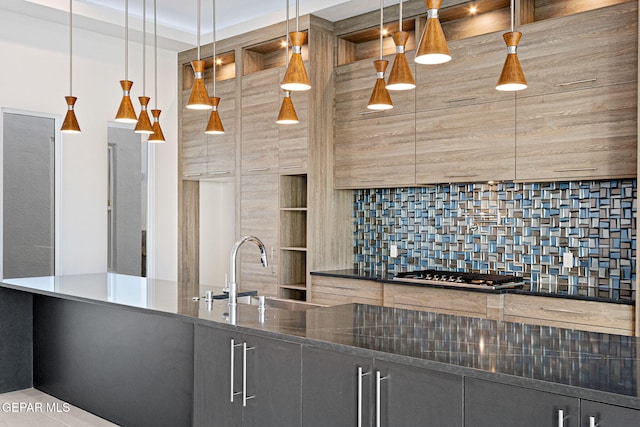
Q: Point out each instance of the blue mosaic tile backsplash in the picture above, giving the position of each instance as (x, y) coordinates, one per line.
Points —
(521, 228)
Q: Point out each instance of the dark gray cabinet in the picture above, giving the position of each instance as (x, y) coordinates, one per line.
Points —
(330, 389)
(347, 390)
(492, 404)
(603, 415)
(245, 380)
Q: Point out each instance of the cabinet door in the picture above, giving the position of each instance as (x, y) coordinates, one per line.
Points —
(292, 139)
(376, 152)
(608, 415)
(259, 215)
(414, 397)
(330, 389)
(260, 96)
(590, 49)
(583, 134)
(194, 140)
(212, 383)
(221, 149)
(354, 85)
(468, 143)
(274, 383)
(491, 404)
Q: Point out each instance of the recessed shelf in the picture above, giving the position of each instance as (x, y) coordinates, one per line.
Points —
(225, 69)
(300, 286)
(267, 55)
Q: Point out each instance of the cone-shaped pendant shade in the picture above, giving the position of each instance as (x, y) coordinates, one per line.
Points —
(157, 135)
(400, 77)
(144, 124)
(433, 48)
(214, 127)
(380, 98)
(512, 77)
(296, 78)
(70, 123)
(126, 112)
(287, 114)
(199, 98)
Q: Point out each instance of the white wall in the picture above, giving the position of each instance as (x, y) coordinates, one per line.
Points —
(34, 77)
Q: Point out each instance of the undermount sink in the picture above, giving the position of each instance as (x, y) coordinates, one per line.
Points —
(285, 304)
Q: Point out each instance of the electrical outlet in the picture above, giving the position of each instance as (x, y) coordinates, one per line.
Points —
(393, 251)
(567, 260)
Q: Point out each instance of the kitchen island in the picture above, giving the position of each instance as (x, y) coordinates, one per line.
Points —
(143, 352)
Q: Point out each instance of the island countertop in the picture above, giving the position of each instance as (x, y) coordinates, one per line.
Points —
(584, 364)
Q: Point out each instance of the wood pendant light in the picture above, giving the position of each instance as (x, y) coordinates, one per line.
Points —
(157, 135)
(380, 98)
(144, 124)
(214, 126)
(287, 115)
(126, 113)
(400, 77)
(433, 48)
(296, 78)
(199, 98)
(512, 77)
(70, 123)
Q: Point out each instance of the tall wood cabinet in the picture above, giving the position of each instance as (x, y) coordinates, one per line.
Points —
(284, 188)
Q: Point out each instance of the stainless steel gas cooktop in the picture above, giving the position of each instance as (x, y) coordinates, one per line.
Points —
(461, 279)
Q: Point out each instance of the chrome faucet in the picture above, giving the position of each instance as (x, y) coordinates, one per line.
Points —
(233, 286)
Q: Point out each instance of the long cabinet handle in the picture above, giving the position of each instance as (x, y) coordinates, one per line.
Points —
(291, 167)
(576, 82)
(345, 288)
(561, 310)
(233, 362)
(379, 379)
(219, 173)
(257, 169)
(592, 422)
(191, 174)
(461, 175)
(244, 374)
(361, 374)
(575, 170)
(561, 418)
(470, 98)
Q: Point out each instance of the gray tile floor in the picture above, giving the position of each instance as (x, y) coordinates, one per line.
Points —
(33, 408)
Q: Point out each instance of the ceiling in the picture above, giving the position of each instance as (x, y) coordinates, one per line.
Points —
(177, 19)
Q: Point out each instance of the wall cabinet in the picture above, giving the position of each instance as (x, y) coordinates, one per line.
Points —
(492, 404)
(245, 380)
(581, 134)
(461, 144)
(603, 415)
(346, 390)
(259, 128)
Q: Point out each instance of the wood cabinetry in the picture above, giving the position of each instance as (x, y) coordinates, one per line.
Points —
(515, 406)
(221, 149)
(259, 216)
(245, 380)
(293, 237)
(461, 144)
(259, 128)
(574, 314)
(334, 290)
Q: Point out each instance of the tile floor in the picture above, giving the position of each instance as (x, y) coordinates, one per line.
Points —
(33, 408)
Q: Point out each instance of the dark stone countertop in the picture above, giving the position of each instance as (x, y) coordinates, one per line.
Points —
(354, 273)
(582, 364)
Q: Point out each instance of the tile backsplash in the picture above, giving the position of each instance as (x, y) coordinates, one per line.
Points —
(521, 228)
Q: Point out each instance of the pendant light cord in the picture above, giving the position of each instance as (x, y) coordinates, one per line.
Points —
(287, 38)
(198, 31)
(297, 15)
(381, 24)
(144, 46)
(512, 15)
(155, 52)
(213, 64)
(126, 39)
(400, 18)
(70, 47)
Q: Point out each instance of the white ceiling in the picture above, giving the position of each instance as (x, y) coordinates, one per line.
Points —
(177, 19)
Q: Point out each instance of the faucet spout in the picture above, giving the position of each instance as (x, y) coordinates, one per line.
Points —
(233, 285)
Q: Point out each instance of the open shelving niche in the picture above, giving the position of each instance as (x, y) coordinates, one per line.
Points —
(293, 237)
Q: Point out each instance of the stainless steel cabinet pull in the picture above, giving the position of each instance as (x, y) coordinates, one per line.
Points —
(233, 349)
(345, 288)
(379, 379)
(258, 169)
(291, 167)
(460, 175)
(361, 374)
(219, 173)
(191, 174)
(592, 422)
(273, 264)
(576, 82)
(373, 180)
(244, 374)
(561, 310)
(575, 170)
(561, 418)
